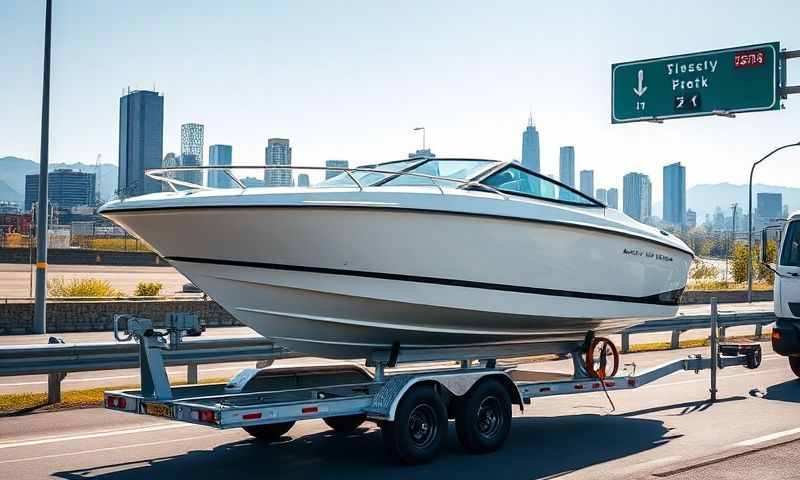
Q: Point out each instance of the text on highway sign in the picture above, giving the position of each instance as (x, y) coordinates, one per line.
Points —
(739, 79)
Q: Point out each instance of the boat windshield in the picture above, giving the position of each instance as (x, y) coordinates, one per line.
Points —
(368, 178)
(455, 169)
(516, 181)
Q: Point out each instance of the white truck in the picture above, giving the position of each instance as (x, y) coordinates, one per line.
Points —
(786, 333)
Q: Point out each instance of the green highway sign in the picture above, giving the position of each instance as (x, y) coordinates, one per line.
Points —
(717, 82)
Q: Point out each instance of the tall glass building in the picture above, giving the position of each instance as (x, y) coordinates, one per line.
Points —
(637, 196)
(530, 146)
(675, 194)
(192, 152)
(587, 182)
(601, 195)
(220, 155)
(278, 152)
(612, 197)
(334, 164)
(66, 189)
(566, 165)
(769, 207)
(141, 141)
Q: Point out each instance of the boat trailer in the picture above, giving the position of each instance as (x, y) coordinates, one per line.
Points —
(412, 406)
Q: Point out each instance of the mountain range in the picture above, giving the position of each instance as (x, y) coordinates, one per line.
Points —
(14, 169)
(703, 198)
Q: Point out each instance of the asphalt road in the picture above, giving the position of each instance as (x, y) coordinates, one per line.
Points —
(663, 427)
(15, 278)
(110, 378)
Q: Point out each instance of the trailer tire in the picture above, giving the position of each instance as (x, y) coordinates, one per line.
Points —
(345, 423)
(794, 362)
(483, 417)
(269, 432)
(419, 429)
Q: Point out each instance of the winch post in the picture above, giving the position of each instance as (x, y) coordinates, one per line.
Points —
(714, 349)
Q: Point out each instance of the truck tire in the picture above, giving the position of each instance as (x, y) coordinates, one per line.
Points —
(419, 429)
(269, 432)
(345, 423)
(483, 417)
(794, 362)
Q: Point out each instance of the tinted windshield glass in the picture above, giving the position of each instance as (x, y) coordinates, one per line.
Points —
(455, 169)
(515, 180)
(367, 178)
(790, 254)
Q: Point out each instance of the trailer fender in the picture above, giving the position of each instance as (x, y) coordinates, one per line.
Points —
(385, 403)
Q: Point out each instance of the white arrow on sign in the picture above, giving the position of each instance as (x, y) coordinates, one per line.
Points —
(641, 89)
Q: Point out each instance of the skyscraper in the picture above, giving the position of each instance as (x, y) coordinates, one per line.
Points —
(278, 152)
(769, 207)
(170, 160)
(141, 139)
(220, 155)
(566, 165)
(530, 146)
(601, 195)
(302, 180)
(334, 164)
(67, 189)
(675, 194)
(637, 196)
(192, 152)
(691, 218)
(587, 182)
(613, 198)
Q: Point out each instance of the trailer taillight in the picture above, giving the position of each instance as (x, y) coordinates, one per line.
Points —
(205, 416)
(251, 416)
(776, 334)
(116, 402)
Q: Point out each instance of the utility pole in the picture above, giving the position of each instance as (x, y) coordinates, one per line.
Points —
(40, 313)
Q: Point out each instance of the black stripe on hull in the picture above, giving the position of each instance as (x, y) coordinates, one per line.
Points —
(670, 298)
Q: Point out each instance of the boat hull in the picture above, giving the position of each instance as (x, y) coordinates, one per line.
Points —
(343, 282)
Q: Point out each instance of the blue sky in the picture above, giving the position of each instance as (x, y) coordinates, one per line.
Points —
(351, 79)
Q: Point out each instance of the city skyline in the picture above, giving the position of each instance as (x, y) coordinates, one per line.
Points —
(466, 114)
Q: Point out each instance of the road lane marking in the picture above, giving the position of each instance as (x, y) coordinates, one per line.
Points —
(107, 433)
(106, 449)
(115, 377)
(767, 438)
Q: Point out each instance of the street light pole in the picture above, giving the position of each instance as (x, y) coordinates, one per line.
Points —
(750, 219)
(40, 317)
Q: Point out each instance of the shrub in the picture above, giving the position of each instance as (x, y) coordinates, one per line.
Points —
(81, 287)
(701, 269)
(148, 289)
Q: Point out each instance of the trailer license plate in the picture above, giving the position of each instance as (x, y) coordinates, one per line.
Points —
(157, 409)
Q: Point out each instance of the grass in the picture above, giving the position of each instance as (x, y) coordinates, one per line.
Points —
(18, 403)
(708, 284)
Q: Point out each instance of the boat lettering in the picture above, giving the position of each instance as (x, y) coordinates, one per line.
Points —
(639, 253)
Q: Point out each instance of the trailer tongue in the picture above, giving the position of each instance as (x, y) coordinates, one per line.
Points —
(412, 407)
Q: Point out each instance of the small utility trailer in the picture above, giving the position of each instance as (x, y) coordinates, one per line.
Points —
(411, 407)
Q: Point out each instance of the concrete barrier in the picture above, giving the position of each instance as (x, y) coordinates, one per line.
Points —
(89, 316)
(78, 256)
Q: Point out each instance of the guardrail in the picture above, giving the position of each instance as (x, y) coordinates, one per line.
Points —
(57, 359)
(683, 323)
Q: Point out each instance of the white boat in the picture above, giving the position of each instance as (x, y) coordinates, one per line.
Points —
(445, 253)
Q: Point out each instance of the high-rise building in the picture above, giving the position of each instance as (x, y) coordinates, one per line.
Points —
(566, 165)
(252, 182)
(334, 164)
(675, 194)
(530, 146)
(637, 196)
(302, 180)
(66, 189)
(170, 160)
(278, 152)
(141, 139)
(785, 213)
(192, 152)
(601, 195)
(769, 207)
(613, 198)
(691, 218)
(422, 153)
(220, 155)
(587, 182)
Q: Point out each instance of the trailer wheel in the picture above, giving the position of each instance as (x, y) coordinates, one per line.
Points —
(794, 362)
(269, 432)
(345, 423)
(418, 431)
(483, 417)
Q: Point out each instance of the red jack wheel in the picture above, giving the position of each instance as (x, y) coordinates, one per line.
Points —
(598, 363)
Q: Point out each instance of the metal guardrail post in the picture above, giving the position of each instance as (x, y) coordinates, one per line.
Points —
(675, 341)
(626, 342)
(191, 373)
(714, 349)
(54, 379)
(759, 331)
